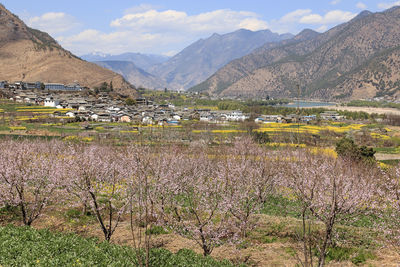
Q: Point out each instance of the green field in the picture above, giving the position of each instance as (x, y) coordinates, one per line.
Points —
(24, 246)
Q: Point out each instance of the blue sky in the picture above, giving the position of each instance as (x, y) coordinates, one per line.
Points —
(166, 27)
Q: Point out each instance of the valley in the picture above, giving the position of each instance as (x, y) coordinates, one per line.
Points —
(199, 137)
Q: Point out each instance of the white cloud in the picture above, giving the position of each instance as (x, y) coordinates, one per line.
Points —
(116, 42)
(153, 31)
(361, 5)
(335, 2)
(334, 16)
(311, 19)
(140, 8)
(388, 5)
(53, 22)
(295, 15)
(223, 20)
(294, 21)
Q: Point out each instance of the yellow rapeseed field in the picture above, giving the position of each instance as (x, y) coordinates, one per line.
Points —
(285, 145)
(324, 151)
(380, 136)
(129, 131)
(219, 131)
(17, 128)
(311, 129)
(75, 138)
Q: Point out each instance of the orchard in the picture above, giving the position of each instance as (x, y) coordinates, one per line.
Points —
(211, 195)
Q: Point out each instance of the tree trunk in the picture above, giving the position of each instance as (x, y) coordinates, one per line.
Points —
(305, 248)
(327, 238)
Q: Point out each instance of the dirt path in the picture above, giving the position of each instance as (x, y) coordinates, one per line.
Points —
(380, 156)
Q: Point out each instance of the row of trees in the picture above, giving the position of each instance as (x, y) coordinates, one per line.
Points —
(207, 194)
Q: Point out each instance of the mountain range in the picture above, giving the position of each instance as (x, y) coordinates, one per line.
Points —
(30, 55)
(198, 61)
(142, 61)
(133, 74)
(192, 65)
(357, 59)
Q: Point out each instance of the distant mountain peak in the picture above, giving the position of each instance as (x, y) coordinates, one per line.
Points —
(141, 60)
(100, 54)
(363, 14)
(308, 31)
(201, 59)
(306, 34)
(133, 74)
(242, 30)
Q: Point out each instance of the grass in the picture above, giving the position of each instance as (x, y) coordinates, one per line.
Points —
(24, 246)
(75, 217)
(356, 255)
(157, 230)
(388, 150)
(280, 206)
(358, 228)
(391, 162)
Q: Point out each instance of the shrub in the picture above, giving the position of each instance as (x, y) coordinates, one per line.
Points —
(261, 137)
(346, 148)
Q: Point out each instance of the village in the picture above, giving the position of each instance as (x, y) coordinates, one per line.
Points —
(85, 105)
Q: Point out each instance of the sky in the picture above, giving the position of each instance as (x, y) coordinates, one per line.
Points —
(166, 27)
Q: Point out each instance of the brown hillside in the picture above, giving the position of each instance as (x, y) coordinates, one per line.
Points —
(31, 55)
(357, 59)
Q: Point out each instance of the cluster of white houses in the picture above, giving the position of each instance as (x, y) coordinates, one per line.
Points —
(103, 108)
(328, 115)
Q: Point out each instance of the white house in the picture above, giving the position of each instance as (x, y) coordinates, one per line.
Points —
(331, 115)
(236, 116)
(206, 117)
(113, 109)
(51, 102)
(176, 117)
(94, 117)
(147, 120)
(268, 119)
(70, 114)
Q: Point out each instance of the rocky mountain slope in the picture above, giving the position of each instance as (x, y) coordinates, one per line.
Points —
(201, 59)
(357, 59)
(30, 55)
(133, 74)
(143, 61)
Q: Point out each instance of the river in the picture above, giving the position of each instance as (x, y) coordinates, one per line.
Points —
(308, 104)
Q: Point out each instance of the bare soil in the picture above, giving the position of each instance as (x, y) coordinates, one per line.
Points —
(256, 254)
